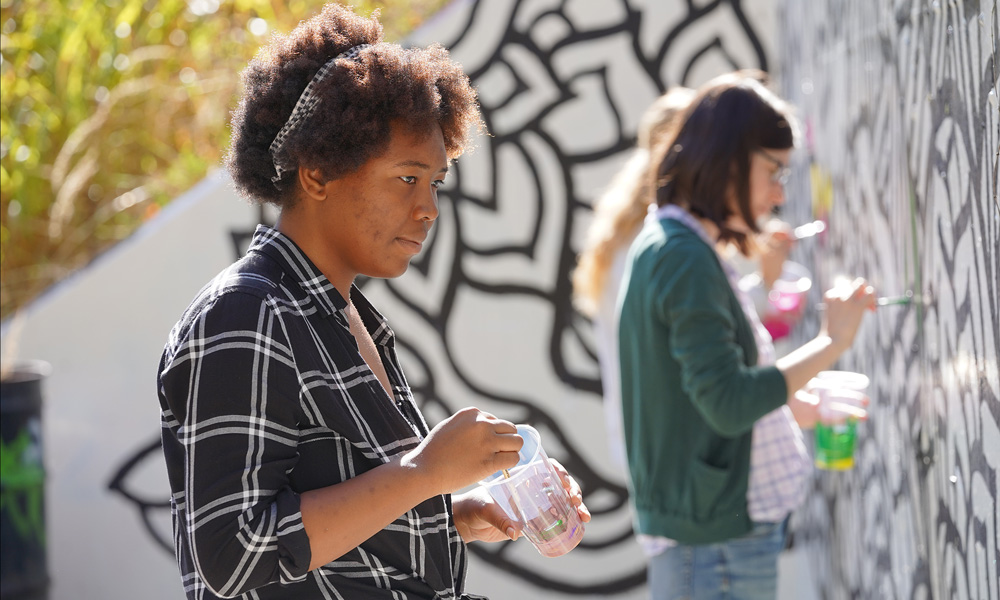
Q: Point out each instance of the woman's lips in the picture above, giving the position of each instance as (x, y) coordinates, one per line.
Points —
(413, 246)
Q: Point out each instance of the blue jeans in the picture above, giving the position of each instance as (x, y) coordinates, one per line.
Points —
(744, 568)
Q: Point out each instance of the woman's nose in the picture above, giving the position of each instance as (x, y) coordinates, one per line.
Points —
(427, 206)
(778, 197)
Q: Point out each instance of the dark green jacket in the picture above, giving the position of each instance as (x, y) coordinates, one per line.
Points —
(691, 390)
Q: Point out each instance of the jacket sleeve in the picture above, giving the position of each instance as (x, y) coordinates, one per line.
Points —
(694, 302)
(231, 390)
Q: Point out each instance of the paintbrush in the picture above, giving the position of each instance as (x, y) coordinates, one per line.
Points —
(903, 300)
(808, 230)
(895, 300)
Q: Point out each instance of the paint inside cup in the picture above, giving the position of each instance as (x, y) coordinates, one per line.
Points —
(786, 299)
(836, 435)
(532, 493)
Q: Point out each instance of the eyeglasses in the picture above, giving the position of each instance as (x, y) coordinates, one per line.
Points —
(784, 171)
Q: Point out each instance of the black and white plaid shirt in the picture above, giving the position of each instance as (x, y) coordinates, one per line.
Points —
(264, 396)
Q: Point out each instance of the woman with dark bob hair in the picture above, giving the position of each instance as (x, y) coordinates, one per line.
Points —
(299, 463)
(712, 421)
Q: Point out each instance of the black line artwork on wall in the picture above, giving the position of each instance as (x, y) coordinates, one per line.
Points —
(901, 101)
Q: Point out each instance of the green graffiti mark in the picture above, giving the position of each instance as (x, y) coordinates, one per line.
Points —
(21, 491)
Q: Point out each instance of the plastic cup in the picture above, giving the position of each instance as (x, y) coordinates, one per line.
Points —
(836, 440)
(848, 380)
(786, 299)
(533, 495)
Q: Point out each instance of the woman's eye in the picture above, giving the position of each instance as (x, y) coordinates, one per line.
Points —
(408, 179)
(438, 183)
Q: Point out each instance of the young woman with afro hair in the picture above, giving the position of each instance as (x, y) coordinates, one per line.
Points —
(299, 464)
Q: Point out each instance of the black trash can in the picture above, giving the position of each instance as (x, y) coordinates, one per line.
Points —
(23, 561)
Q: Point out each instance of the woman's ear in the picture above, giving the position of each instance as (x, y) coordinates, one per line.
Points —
(313, 183)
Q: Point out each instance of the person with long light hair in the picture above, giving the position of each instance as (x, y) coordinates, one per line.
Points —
(618, 216)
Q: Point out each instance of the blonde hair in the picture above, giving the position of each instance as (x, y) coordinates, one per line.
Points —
(621, 209)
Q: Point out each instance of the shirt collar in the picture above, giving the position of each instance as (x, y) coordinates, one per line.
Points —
(675, 212)
(276, 245)
(279, 247)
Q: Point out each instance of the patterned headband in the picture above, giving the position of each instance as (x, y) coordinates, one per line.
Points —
(305, 107)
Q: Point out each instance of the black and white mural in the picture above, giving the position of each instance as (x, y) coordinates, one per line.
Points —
(900, 103)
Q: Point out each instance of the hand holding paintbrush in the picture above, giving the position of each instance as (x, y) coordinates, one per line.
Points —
(845, 306)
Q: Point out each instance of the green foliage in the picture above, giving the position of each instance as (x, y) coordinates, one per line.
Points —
(21, 481)
(110, 108)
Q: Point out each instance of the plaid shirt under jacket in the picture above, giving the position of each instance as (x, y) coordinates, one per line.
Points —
(263, 396)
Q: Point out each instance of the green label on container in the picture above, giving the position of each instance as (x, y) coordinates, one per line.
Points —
(835, 445)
